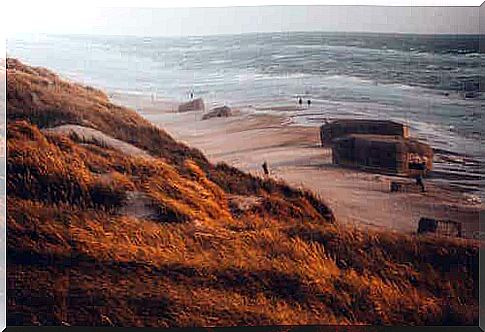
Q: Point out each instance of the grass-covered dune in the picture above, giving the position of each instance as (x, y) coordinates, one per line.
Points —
(98, 236)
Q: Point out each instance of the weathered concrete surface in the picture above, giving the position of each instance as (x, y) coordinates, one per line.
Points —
(344, 127)
(193, 105)
(218, 112)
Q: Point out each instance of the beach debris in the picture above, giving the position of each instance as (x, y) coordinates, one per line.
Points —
(442, 227)
(218, 112)
(193, 105)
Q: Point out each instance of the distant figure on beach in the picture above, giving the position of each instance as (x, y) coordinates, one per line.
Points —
(419, 182)
(265, 168)
(191, 95)
(419, 177)
(300, 101)
(309, 102)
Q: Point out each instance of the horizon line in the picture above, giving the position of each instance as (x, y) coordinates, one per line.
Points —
(249, 33)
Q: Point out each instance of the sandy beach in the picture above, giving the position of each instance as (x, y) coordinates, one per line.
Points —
(294, 153)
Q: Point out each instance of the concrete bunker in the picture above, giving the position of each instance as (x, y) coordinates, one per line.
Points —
(218, 112)
(193, 105)
(340, 128)
(440, 227)
(394, 155)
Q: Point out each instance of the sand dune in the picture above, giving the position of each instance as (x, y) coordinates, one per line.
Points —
(98, 237)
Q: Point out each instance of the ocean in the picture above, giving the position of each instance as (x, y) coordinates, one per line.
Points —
(430, 82)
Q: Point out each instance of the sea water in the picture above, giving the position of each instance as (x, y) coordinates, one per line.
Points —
(429, 82)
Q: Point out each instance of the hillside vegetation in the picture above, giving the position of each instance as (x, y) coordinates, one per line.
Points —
(165, 238)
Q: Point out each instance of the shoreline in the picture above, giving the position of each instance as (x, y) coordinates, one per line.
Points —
(294, 154)
(460, 170)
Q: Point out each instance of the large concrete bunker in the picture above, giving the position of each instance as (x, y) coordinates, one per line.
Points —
(344, 127)
(386, 154)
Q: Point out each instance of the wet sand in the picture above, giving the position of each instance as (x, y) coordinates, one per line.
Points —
(294, 154)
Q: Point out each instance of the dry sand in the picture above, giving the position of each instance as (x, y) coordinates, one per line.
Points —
(295, 155)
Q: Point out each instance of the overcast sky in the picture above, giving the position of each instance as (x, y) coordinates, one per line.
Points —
(233, 20)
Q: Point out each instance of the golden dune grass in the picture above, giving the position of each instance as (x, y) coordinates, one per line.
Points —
(75, 257)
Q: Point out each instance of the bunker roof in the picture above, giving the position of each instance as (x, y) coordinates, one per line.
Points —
(363, 121)
(374, 138)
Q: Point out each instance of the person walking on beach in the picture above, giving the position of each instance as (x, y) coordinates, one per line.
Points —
(191, 95)
(265, 168)
(419, 177)
(300, 101)
(419, 182)
(309, 102)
